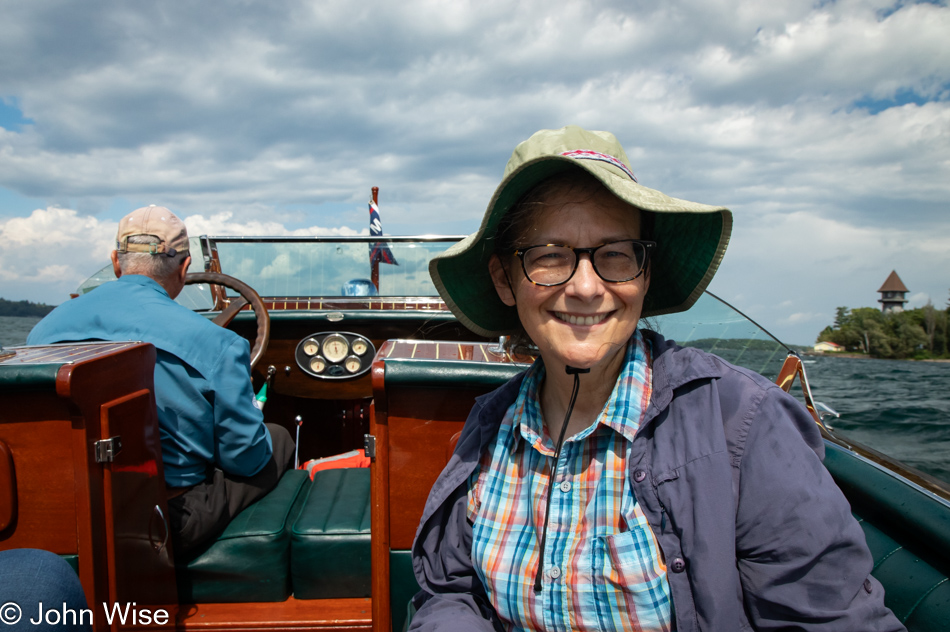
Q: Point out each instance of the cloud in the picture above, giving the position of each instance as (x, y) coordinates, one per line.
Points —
(845, 265)
(805, 317)
(223, 224)
(918, 299)
(52, 250)
(238, 104)
(832, 52)
(824, 126)
(47, 254)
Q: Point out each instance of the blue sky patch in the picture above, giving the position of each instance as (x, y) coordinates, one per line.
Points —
(883, 14)
(11, 118)
(12, 204)
(902, 97)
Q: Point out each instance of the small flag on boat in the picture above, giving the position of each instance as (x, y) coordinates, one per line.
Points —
(379, 251)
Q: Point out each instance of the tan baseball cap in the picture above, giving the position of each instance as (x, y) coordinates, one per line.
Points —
(157, 221)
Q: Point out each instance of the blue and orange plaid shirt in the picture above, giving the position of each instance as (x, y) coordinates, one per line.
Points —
(603, 569)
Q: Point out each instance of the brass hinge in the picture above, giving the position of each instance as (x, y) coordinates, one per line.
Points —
(369, 445)
(107, 449)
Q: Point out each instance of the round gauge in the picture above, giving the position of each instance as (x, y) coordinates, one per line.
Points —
(359, 346)
(352, 364)
(317, 364)
(311, 346)
(335, 348)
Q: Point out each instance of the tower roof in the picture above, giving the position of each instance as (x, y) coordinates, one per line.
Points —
(893, 284)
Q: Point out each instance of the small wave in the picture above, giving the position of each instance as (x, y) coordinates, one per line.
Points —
(926, 424)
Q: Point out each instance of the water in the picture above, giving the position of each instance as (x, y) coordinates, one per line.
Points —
(15, 329)
(898, 407)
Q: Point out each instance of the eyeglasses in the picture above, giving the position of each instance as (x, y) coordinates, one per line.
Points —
(614, 262)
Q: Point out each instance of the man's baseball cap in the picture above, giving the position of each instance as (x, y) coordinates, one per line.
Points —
(155, 221)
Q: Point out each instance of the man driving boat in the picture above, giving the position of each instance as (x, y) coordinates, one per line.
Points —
(218, 454)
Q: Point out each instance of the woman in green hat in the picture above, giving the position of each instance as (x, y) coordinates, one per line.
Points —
(623, 482)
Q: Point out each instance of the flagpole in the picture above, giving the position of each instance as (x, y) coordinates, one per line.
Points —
(374, 273)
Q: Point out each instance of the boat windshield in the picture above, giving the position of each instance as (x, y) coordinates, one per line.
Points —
(329, 267)
(715, 326)
(192, 297)
(309, 267)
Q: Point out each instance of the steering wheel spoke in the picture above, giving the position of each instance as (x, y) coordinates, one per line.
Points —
(227, 315)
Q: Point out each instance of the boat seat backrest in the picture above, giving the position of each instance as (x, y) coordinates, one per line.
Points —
(330, 538)
(917, 593)
(908, 532)
(421, 406)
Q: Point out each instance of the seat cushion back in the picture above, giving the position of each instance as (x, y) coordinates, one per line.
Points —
(330, 540)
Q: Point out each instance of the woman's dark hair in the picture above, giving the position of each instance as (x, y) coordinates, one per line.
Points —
(514, 227)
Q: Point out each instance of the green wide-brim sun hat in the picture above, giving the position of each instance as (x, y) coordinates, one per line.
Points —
(691, 238)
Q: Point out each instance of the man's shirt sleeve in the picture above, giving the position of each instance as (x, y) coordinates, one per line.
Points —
(242, 443)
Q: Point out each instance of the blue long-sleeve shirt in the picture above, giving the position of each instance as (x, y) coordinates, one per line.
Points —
(203, 387)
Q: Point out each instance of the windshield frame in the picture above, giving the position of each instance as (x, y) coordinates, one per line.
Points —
(212, 247)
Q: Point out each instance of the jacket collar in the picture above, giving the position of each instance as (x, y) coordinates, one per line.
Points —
(673, 367)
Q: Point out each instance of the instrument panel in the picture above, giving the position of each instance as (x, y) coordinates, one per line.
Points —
(336, 355)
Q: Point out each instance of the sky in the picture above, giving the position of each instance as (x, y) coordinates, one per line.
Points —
(824, 126)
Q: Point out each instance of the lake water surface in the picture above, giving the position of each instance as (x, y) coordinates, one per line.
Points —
(15, 329)
(898, 407)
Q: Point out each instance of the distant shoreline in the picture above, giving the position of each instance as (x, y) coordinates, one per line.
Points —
(18, 309)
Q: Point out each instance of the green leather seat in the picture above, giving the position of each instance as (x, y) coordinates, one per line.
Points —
(250, 560)
(908, 533)
(917, 593)
(402, 588)
(330, 540)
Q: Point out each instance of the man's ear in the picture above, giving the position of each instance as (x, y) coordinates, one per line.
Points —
(115, 264)
(183, 270)
(500, 278)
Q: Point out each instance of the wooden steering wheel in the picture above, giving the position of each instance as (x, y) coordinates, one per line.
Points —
(247, 295)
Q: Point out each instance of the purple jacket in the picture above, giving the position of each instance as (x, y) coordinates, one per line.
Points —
(727, 468)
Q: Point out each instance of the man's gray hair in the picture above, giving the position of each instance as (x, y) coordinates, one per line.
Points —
(158, 267)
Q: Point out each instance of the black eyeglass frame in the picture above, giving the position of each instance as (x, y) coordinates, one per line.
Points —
(648, 246)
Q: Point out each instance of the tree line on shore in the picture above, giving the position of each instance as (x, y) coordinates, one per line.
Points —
(24, 308)
(920, 333)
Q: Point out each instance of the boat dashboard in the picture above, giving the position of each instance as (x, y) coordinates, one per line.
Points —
(332, 303)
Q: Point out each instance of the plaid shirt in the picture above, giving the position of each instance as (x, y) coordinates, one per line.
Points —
(603, 569)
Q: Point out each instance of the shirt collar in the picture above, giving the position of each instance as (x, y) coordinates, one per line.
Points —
(628, 401)
(622, 412)
(144, 281)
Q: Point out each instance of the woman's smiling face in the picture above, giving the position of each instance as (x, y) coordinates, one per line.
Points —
(585, 322)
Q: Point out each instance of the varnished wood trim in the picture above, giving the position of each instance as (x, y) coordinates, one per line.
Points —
(292, 614)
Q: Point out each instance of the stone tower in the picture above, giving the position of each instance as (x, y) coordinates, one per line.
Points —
(892, 294)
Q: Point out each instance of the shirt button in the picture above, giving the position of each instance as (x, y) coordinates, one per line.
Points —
(639, 475)
(565, 486)
(555, 572)
(678, 565)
